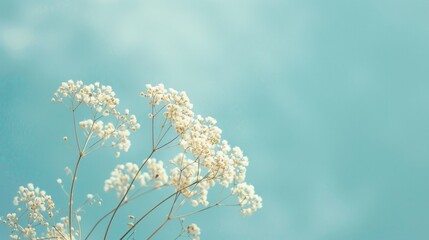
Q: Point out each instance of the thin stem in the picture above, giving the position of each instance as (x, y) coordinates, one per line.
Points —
(71, 193)
(81, 154)
(158, 228)
(162, 127)
(110, 212)
(163, 135)
(168, 217)
(159, 204)
(62, 235)
(75, 130)
(153, 128)
(79, 227)
(125, 195)
(147, 213)
(157, 112)
(169, 142)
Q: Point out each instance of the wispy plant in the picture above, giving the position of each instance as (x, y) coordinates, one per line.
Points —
(203, 162)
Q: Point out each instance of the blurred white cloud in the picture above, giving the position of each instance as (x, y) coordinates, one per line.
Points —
(16, 39)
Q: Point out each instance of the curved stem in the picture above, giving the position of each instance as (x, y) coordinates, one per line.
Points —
(71, 193)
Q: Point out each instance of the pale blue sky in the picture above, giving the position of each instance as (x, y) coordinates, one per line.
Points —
(329, 100)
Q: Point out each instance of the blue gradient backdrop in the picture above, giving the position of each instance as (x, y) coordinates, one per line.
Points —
(329, 99)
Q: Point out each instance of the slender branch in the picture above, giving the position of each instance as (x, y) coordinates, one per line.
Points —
(79, 227)
(159, 204)
(158, 228)
(125, 195)
(157, 112)
(147, 213)
(81, 154)
(153, 127)
(135, 196)
(168, 217)
(162, 127)
(169, 142)
(163, 135)
(71, 193)
(75, 130)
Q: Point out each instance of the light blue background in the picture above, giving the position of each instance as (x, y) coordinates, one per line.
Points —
(329, 99)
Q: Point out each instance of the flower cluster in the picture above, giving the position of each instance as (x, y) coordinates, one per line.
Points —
(248, 200)
(213, 157)
(103, 102)
(38, 208)
(205, 161)
(99, 97)
(121, 176)
(193, 231)
(157, 172)
(108, 131)
(59, 231)
(179, 108)
(186, 177)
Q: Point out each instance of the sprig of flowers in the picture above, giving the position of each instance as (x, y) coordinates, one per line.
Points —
(205, 161)
(102, 102)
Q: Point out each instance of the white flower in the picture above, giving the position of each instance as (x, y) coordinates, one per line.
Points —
(157, 172)
(122, 175)
(247, 199)
(186, 176)
(38, 207)
(103, 102)
(193, 231)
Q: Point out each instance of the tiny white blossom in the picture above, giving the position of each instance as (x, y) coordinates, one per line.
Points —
(67, 170)
(193, 231)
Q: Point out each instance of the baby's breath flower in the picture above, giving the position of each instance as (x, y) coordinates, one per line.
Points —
(157, 172)
(206, 159)
(214, 157)
(247, 199)
(103, 101)
(121, 176)
(193, 231)
(37, 204)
